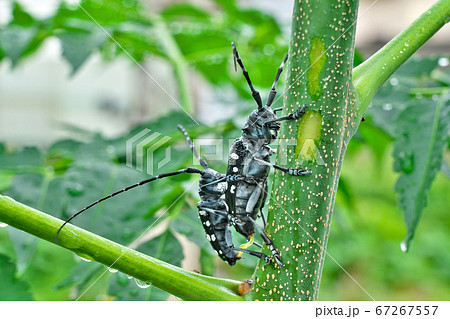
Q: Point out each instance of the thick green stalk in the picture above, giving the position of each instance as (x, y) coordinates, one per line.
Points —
(319, 75)
(370, 75)
(179, 282)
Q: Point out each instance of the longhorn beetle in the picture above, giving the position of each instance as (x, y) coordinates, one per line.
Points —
(250, 157)
(236, 198)
(211, 210)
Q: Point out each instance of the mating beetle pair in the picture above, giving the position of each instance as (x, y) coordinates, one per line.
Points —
(237, 197)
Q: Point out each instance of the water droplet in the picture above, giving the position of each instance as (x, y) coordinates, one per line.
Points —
(75, 189)
(406, 44)
(112, 270)
(3, 225)
(405, 162)
(387, 106)
(141, 284)
(404, 245)
(393, 81)
(370, 105)
(129, 277)
(85, 258)
(127, 234)
(444, 62)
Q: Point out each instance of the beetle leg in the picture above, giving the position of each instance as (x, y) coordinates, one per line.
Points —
(253, 253)
(290, 171)
(268, 242)
(250, 241)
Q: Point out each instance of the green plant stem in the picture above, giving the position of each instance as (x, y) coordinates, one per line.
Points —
(179, 282)
(319, 75)
(179, 63)
(370, 75)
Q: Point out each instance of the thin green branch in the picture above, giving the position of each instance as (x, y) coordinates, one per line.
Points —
(178, 61)
(179, 282)
(370, 75)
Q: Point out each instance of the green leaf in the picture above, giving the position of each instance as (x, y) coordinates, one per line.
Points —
(106, 13)
(14, 40)
(12, 288)
(422, 135)
(24, 159)
(6, 246)
(395, 94)
(187, 223)
(20, 16)
(78, 46)
(165, 247)
(184, 11)
(358, 58)
(206, 263)
(49, 266)
(119, 219)
(25, 188)
(24, 245)
(126, 288)
(442, 76)
(83, 273)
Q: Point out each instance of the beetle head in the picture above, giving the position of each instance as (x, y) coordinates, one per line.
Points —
(260, 126)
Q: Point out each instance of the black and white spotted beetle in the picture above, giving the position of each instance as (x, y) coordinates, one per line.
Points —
(250, 157)
(236, 198)
(212, 210)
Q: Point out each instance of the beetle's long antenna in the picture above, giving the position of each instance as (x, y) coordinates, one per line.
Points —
(255, 93)
(272, 91)
(191, 145)
(163, 175)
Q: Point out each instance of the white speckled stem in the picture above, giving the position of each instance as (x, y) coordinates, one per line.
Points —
(319, 75)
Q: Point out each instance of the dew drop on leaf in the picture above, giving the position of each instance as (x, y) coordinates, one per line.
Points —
(85, 259)
(387, 106)
(404, 245)
(112, 270)
(406, 162)
(393, 81)
(3, 225)
(75, 189)
(141, 284)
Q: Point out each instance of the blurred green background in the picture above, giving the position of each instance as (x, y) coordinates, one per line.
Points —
(71, 97)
